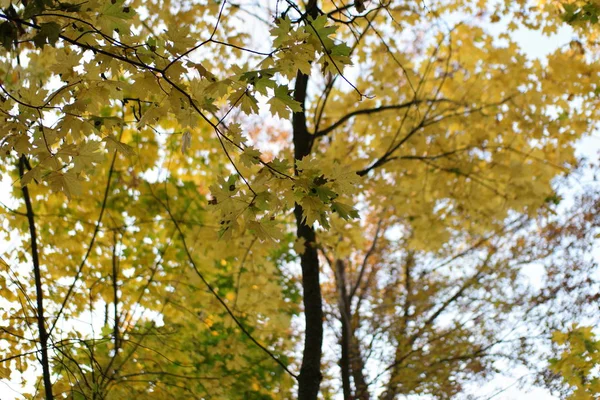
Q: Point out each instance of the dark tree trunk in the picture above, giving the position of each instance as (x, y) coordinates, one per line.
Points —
(309, 379)
(39, 294)
(310, 371)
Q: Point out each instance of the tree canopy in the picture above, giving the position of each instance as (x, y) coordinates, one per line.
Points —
(291, 200)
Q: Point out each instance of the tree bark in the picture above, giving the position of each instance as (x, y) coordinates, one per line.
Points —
(357, 366)
(310, 376)
(115, 285)
(309, 379)
(351, 362)
(344, 307)
(392, 385)
(39, 294)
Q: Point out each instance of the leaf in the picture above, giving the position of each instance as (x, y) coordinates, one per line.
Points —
(283, 27)
(313, 210)
(234, 132)
(86, 156)
(250, 156)
(282, 103)
(261, 79)
(300, 246)
(279, 165)
(48, 34)
(203, 72)
(186, 141)
(319, 32)
(113, 144)
(68, 183)
(8, 35)
(114, 16)
(344, 210)
(265, 230)
(248, 104)
(34, 8)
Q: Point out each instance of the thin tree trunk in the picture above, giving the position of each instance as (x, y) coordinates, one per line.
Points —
(392, 385)
(357, 366)
(310, 376)
(38, 287)
(344, 306)
(115, 285)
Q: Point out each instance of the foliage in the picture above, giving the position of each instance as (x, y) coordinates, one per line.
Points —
(431, 323)
(579, 360)
(157, 152)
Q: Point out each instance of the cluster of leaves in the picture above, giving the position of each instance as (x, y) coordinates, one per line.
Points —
(580, 12)
(177, 89)
(579, 361)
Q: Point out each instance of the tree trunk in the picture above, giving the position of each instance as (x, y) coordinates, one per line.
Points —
(344, 307)
(39, 294)
(310, 376)
(392, 385)
(357, 366)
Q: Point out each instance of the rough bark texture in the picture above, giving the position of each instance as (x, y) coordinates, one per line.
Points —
(39, 294)
(310, 376)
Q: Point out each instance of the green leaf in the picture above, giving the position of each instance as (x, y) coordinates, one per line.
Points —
(344, 210)
(48, 34)
(68, 183)
(250, 156)
(248, 104)
(261, 79)
(8, 35)
(282, 103)
(114, 16)
(320, 32)
(113, 144)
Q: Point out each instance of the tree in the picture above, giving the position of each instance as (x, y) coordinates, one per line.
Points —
(417, 322)
(445, 138)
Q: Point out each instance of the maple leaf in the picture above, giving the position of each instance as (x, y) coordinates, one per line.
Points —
(282, 103)
(48, 34)
(313, 210)
(344, 210)
(282, 31)
(234, 132)
(68, 183)
(86, 156)
(319, 32)
(186, 141)
(300, 246)
(265, 230)
(113, 144)
(246, 101)
(261, 79)
(250, 156)
(114, 16)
